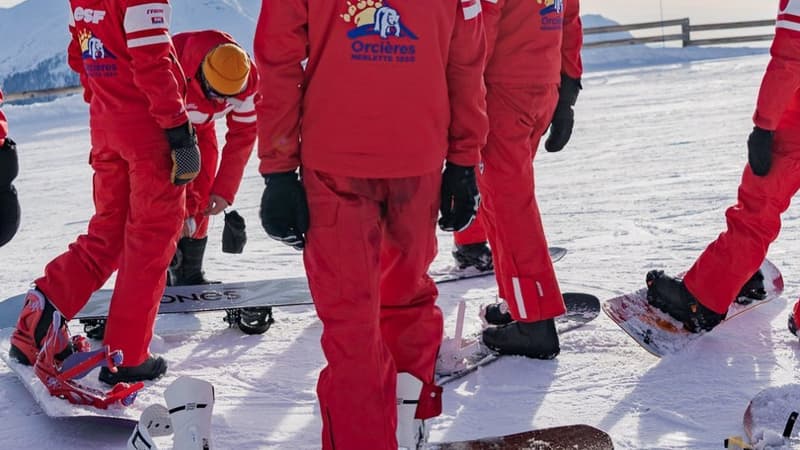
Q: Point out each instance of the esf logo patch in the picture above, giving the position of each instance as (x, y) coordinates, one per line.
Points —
(98, 61)
(379, 33)
(551, 12)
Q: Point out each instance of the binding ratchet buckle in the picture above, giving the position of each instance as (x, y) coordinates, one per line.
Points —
(59, 375)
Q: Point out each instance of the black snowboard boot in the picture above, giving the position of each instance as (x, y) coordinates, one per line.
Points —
(671, 296)
(537, 340)
(477, 255)
(186, 268)
(752, 290)
(497, 314)
(792, 324)
(152, 368)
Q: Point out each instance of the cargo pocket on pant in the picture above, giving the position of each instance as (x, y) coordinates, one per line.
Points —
(323, 253)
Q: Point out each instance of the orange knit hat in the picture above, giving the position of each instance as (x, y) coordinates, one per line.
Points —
(226, 68)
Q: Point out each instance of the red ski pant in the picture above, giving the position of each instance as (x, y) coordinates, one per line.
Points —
(199, 190)
(753, 224)
(518, 116)
(474, 234)
(134, 228)
(367, 255)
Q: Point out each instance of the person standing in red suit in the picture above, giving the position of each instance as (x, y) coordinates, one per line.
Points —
(532, 75)
(729, 266)
(391, 93)
(222, 82)
(9, 167)
(143, 150)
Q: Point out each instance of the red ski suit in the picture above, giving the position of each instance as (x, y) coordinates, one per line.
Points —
(387, 95)
(123, 53)
(525, 55)
(529, 44)
(3, 123)
(755, 220)
(240, 115)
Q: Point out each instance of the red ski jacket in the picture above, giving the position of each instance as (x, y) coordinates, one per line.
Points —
(123, 53)
(239, 111)
(532, 42)
(3, 123)
(778, 104)
(390, 88)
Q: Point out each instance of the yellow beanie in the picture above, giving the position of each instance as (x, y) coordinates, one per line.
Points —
(226, 68)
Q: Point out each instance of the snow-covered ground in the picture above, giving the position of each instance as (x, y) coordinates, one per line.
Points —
(654, 161)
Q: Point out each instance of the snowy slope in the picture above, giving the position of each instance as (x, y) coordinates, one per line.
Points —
(654, 161)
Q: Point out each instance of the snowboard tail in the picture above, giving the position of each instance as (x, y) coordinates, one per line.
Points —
(660, 334)
(570, 437)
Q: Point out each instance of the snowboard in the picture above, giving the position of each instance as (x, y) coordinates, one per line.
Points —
(769, 419)
(59, 408)
(453, 273)
(230, 297)
(660, 334)
(569, 437)
(581, 309)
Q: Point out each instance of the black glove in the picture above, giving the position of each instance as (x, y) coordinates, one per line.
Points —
(185, 154)
(563, 117)
(759, 150)
(284, 209)
(460, 197)
(9, 214)
(9, 204)
(234, 235)
(9, 166)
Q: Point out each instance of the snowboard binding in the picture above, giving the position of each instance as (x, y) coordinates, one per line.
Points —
(458, 353)
(94, 328)
(187, 417)
(476, 255)
(254, 320)
(59, 375)
(496, 314)
(753, 290)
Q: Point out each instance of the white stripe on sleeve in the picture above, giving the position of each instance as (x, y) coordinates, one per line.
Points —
(150, 40)
(149, 16)
(245, 106)
(788, 25)
(243, 119)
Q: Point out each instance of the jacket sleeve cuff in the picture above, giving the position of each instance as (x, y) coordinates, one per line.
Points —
(465, 159)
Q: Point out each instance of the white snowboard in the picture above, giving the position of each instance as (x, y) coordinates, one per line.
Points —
(60, 408)
(766, 417)
(660, 334)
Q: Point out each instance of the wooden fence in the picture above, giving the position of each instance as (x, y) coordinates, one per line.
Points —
(55, 92)
(680, 30)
